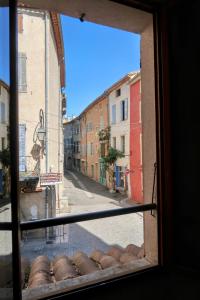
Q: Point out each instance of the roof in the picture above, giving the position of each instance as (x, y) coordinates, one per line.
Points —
(113, 87)
(5, 85)
(97, 100)
(121, 81)
(135, 78)
(57, 29)
(67, 122)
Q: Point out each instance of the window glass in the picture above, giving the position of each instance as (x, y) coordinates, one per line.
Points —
(56, 179)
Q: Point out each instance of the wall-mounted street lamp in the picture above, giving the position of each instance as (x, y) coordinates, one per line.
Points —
(40, 132)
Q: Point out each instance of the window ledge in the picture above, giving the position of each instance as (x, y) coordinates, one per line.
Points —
(64, 286)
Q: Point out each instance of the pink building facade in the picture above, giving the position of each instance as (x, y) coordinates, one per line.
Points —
(135, 172)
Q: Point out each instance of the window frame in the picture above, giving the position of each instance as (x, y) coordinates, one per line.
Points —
(163, 154)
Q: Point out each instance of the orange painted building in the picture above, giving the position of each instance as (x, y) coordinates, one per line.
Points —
(93, 119)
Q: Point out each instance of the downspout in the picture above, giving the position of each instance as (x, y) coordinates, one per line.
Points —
(46, 115)
(46, 90)
(59, 132)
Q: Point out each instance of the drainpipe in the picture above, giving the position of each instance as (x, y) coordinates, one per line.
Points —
(46, 90)
(46, 114)
(59, 131)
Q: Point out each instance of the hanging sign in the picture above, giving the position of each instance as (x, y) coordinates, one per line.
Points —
(50, 179)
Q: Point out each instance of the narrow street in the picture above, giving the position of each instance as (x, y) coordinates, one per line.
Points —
(85, 195)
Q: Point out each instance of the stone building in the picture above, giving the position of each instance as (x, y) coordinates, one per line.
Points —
(41, 79)
(92, 120)
(119, 120)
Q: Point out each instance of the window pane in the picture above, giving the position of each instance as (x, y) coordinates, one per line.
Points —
(88, 251)
(5, 211)
(55, 178)
(6, 265)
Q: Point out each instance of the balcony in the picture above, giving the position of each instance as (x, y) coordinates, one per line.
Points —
(29, 170)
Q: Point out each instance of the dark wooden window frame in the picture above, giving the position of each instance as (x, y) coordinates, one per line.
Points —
(164, 207)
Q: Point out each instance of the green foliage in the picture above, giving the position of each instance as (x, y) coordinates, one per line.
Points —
(5, 157)
(112, 156)
(104, 134)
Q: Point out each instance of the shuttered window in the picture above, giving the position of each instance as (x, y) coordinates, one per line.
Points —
(2, 112)
(22, 147)
(124, 109)
(101, 122)
(114, 114)
(22, 83)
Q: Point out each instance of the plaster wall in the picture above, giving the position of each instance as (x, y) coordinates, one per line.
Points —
(4, 98)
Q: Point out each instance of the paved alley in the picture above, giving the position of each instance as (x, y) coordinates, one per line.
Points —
(85, 195)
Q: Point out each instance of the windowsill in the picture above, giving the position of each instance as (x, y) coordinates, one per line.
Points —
(64, 286)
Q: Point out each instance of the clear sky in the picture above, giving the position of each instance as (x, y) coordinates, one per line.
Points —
(4, 44)
(96, 56)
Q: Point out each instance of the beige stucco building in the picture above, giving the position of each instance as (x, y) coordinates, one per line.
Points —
(41, 77)
(119, 118)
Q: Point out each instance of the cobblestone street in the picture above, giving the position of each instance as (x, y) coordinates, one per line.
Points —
(85, 195)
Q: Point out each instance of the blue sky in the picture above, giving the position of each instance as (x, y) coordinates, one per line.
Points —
(4, 44)
(96, 56)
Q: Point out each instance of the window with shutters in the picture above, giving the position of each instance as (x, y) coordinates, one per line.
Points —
(114, 114)
(2, 112)
(114, 142)
(3, 143)
(22, 147)
(22, 82)
(123, 143)
(124, 110)
(101, 122)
